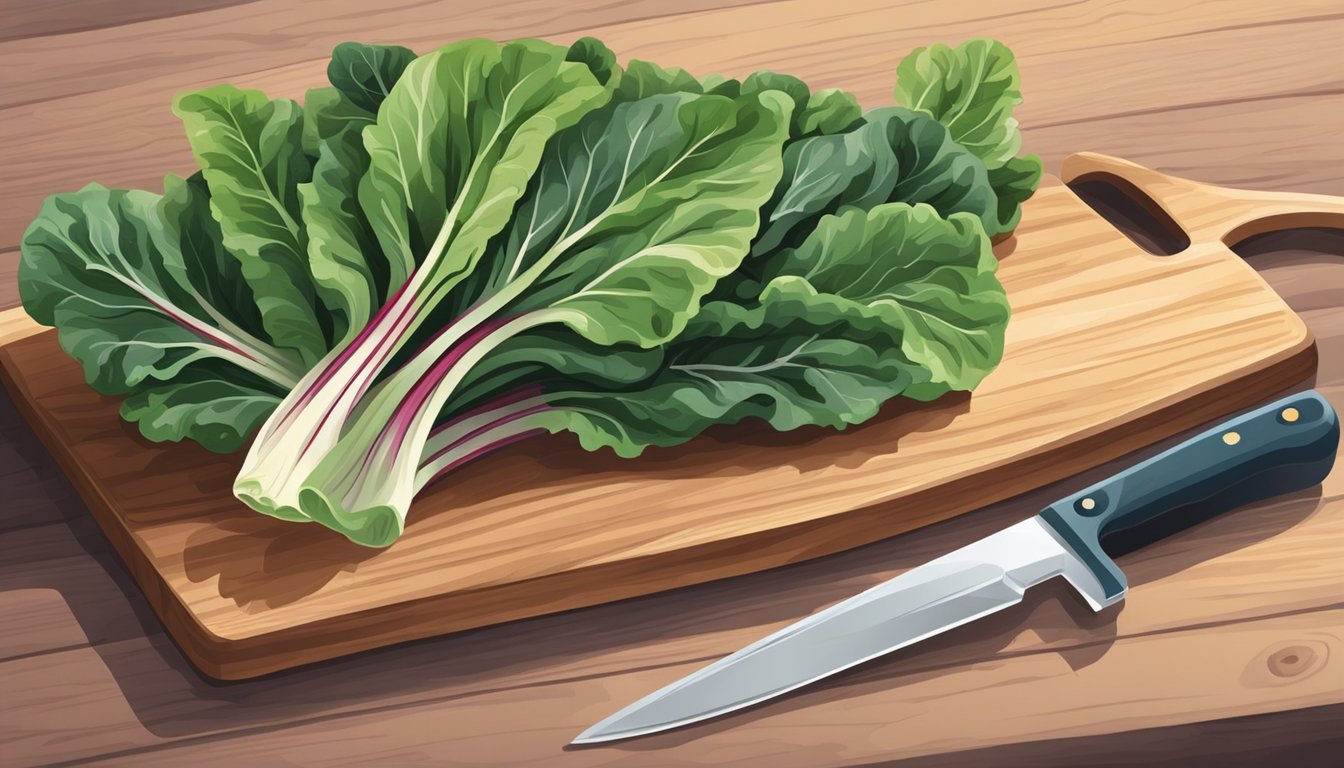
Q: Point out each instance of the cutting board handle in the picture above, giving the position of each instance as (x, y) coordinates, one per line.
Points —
(1209, 213)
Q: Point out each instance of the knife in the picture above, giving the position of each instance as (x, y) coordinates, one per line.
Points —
(1285, 446)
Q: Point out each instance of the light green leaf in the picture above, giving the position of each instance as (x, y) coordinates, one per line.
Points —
(350, 271)
(642, 79)
(251, 152)
(499, 105)
(795, 89)
(775, 362)
(455, 144)
(931, 278)
(823, 112)
(194, 256)
(555, 357)
(828, 111)
(972, 90)
(636, 212)
(631, 217)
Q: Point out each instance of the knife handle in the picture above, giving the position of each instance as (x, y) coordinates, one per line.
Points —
(1285, 446)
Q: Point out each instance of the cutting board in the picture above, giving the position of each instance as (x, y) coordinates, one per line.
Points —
(1109, 348)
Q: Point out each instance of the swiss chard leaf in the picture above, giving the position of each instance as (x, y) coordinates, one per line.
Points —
(556, 358)
(144, 298)
(194, 256)
(773, 362)
(642, 79)
(251, 152)
(351, 275)
(365, 74)
(500, 104)
(639, 210)
(891, 301)
(599, 59)
(828, 111)
(630, 218)
(893, 155)
(1014, 182)
(454, 146)
(972, 89)
(219, 407)
(930, 278)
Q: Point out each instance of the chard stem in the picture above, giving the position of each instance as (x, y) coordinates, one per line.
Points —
(507, 429)
(401, 413)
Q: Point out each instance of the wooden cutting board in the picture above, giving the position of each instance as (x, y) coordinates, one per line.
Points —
(1109, 348)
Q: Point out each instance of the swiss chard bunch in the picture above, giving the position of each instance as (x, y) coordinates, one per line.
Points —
(438, 255)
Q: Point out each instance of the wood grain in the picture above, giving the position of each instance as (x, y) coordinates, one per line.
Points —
(246, 595)
(224, 46)
(54, 146)
(1299, 737)
(35, 19)
(37, 621)
(1289, 660)
(1303, 157)
(1173, 588)
(1278, 136)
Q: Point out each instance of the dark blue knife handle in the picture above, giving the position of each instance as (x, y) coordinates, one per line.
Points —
(1285, 446)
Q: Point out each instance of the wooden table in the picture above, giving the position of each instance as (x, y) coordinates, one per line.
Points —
(1230, 647)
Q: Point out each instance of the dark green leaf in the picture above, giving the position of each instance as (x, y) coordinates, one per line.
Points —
(216, 406)
(893, 155)
(365, 74)
(599, 59)
(892, 301)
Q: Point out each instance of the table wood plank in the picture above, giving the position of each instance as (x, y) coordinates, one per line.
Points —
(37, 621)
(40, 707)
(96, 590)
(1295, 737)
(224, 43)
(1270, 146)
(1288, 660)
(30, 19)
(220, 44)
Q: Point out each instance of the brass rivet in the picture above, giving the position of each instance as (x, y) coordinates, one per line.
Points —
(1231, 438)
(1088, 504)
(1290, 414)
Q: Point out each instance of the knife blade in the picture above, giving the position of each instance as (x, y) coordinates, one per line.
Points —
(1284, 446)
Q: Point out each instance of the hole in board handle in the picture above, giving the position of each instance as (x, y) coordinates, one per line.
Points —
(1290, 244)
(1131, 211)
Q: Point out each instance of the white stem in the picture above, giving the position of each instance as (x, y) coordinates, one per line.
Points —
(473, 445)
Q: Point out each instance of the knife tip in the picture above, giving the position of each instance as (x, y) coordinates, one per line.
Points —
(593, 735)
